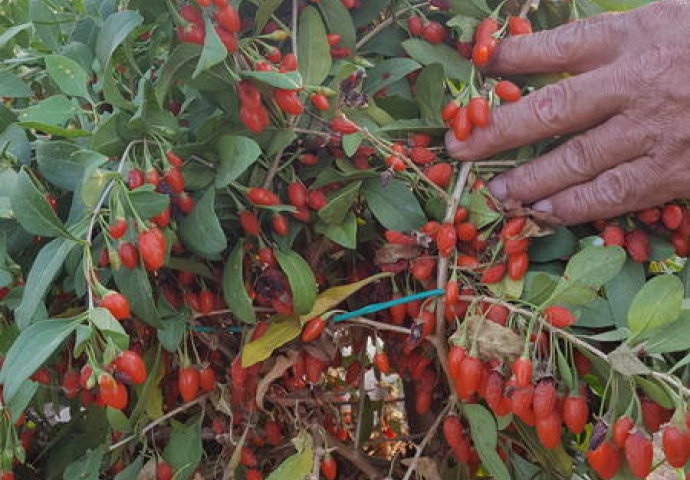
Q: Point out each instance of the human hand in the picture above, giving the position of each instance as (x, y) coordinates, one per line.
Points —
(630, 98)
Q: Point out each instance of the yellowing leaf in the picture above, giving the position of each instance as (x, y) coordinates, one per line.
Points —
(298, 465)
(336, 295)
(278, 334)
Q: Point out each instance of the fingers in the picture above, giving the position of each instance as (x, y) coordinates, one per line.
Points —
(628, 187)
(578, 160)
(567, 106)
(575, 47)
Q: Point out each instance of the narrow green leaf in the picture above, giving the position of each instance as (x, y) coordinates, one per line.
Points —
(339, 21)
(394, 205)
(134, 284)
(339, 204)
(172, 332)
(200, 230)
(301, 278)
(314, 52)
(213, 51)
(284, 80)
(657, 303)
(264, 12)
(235, 295)
(147, 202)
(11, 32)
(177, 62)
(31, 349)
(236, 155)
(455, 65)
(480, 213)
(131, 471)
(429, 92)
(464, 27)
(69, 76)
(485, 437)
(43, 272)
(280, 331)
(116, 29)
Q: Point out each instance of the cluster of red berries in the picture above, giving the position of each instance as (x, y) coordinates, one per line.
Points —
(227, 24)
(670, 218)
(432, 32)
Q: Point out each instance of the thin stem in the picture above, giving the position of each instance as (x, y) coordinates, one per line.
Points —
(160, 420)
(379, 325)
(429, 435)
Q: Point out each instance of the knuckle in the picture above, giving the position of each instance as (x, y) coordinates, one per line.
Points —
(613, 187)
(580, 154)
(550, 104)
(522, 181)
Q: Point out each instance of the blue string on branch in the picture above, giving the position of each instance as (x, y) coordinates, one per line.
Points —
(376, 307)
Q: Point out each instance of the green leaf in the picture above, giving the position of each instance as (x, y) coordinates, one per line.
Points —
(22, 398)
(561, 244)
(178, 60)
(655, 392)
(339, 204)
(394, 206)
(110, 327)
(429, 92)
(87, 467)
(235, 295)
(564, 369)
(45, 23)
(280, 331)
(31, 349)
(200, 230)
(213, 51)
(620, 5)
(538, 287)
(172, 332)
(299, 465)
(485, 437)
(116, 29)
(657, 303)
(301, 278)
(111, 90)
(594, 314)
(33, 211)
(53, 111)
(388, 72)
(314, 52)
(455, 65)
(184, 449)
(69, 76)
(236, 155)
(148, 203)
(621, 290)
(672, 337)
(586, 272)
(134, 284)
(8, 178)
(264, 12)
(473, 8)
(63, 163)
(12, 87)
(464, 27)
(11, 32)
(625, 361)
(42, 274)
(479, 212)
(339, 21)
(284, 80)
(131, 471)
(344, 234)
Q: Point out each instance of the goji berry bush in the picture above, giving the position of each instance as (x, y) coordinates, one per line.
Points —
(232, 246)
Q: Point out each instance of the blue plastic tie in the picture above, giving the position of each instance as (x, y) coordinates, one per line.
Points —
(376, 307)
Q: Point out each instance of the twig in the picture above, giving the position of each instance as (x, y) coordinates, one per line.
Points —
(427, 438)
(385, 24)
(158, 421)
(356, 458)
(379, 325)
(293, 37)
(442, 270)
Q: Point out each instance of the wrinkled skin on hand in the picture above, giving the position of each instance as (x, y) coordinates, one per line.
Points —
(629, 98)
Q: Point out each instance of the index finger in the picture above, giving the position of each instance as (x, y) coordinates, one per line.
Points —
(574, 48)
(567, 106)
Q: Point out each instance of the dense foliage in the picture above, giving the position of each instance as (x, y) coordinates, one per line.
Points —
(192, 195)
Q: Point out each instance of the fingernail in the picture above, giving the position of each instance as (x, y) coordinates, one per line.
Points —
(499, 188)
(545, 206)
